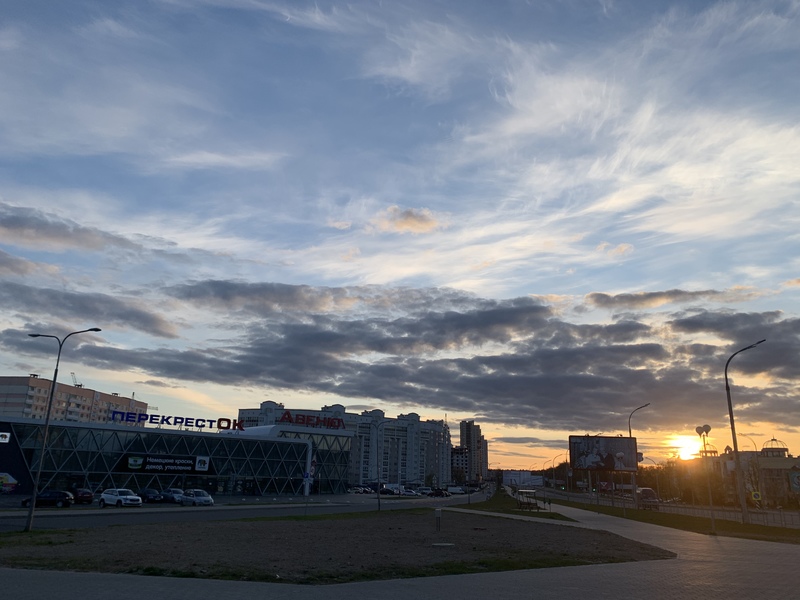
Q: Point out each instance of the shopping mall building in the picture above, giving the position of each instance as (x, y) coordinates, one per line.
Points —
(99, 441)
(272, 461)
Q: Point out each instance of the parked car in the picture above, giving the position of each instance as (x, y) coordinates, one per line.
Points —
(83, 496)
(51, 498)
(119, 497)
(648, 499)
(409, 493)
(387, 491)
(440, 494)
(150, 495)
(197, 498)
(172, 495)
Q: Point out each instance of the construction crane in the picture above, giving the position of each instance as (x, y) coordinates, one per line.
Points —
(75, 381)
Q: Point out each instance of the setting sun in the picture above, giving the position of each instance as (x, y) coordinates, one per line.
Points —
(686, 447)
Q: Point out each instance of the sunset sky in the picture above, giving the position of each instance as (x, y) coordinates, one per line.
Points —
(537, 215)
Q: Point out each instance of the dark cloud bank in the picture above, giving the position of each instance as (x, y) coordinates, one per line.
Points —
(513, 362)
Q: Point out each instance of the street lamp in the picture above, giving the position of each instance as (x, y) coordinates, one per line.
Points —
(658, 486)
(702, 431)
(755, 481)
(737, 461)
(636, 458)
(32, 508)
(630, 434)
(554, 470)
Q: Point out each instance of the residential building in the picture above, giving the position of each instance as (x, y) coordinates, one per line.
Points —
(477, 451)
(405, 450)
(26, 397)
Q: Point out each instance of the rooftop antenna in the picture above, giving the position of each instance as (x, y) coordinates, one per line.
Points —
(75, 381)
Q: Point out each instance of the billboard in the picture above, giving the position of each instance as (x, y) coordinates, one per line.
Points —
(181, 465)
(599, 453)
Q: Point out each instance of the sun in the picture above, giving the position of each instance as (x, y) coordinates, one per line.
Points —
(687, 447)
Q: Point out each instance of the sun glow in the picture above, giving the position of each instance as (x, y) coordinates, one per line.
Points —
(685, 446)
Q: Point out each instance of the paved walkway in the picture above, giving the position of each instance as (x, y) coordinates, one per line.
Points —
(707, 568)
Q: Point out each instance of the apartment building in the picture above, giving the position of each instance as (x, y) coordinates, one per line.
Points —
(26, 397)
(405, 450)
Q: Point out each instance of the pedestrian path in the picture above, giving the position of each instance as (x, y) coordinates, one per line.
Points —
(706, 568)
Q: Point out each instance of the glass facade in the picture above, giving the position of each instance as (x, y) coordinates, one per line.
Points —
(99, 457)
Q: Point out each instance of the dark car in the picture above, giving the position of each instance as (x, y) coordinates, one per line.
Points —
(150, 495)
(52, 498)
(83, 496)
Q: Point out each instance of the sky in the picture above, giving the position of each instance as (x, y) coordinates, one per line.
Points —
(538, 215)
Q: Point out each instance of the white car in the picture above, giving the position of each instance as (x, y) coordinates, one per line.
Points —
(197, 498)
(119, 497)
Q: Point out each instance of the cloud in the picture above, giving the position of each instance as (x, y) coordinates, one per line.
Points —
(408, 220)
(31, 228)
(101, 309)
(214, 160)
(427, 57)
(640, 300)
(515, 362)
(617, 251)
(109, 27)
(12, 265)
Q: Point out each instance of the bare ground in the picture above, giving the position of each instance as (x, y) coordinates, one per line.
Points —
(381, 545)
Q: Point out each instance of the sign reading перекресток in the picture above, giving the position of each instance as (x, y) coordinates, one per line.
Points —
(129, 417)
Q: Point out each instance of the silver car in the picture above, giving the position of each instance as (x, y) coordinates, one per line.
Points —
(196, 498)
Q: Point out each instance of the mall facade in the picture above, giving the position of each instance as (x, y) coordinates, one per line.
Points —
(280, 460)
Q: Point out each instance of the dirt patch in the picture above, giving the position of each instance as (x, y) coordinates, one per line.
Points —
(324, 550)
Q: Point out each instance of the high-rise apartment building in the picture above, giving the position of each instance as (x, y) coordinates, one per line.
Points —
(27, 397)
(477, 452)
(405, 450)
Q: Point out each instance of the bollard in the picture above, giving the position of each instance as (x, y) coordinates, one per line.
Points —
(438, 513)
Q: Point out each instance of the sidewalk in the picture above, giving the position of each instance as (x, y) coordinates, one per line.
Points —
(707, 567)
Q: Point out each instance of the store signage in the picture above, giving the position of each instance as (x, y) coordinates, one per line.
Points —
(143, 463)
(312, 420)
(5, 438)
(129, 417)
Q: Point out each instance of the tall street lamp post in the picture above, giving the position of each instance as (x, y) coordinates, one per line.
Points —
(737, 460)
(636, 458)
(32, 507)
